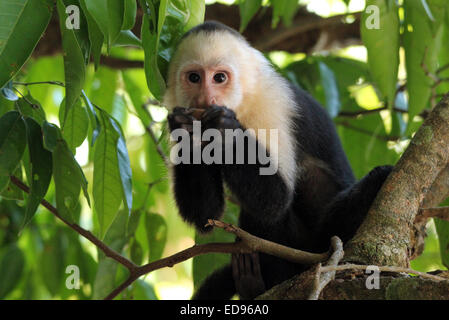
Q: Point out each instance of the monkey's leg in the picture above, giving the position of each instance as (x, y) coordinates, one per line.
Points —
(247, 275)
(218, 286)
(348, 210)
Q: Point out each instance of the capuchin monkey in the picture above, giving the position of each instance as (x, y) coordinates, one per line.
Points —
(312, 196)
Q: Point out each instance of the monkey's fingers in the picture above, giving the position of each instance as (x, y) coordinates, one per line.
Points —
(212, 113)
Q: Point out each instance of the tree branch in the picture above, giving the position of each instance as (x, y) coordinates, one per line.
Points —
(248, 243)
(85, 233)
(384, 238)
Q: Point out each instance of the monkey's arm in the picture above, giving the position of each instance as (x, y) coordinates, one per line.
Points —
(347, 211)
(265, 196)
(198, 188)
(199, 193)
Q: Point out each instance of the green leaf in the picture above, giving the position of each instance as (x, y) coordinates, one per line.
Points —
(364, 141)
(124, 166)
(52, 262)
(108, 15)
(129, 14)
(206, 264)
(11, 268)
(330, 89)
(69, 179)
(75, 126)
(74, 60)
(383, 45)
(156, 234)
(143, 291)
(248, 9)
(136, 252)
(41, 169)
(31, 108)
(422, 41)
(107, 184)
(442, 228)
(12, 141)
(127, 38)
(51, 135)
(161, 32)
(150, 42)
(116, 239)
(22, 23)
(285, 9)
(11, 191)
(95, 35)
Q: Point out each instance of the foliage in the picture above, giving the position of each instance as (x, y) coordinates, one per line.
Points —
(69, 126)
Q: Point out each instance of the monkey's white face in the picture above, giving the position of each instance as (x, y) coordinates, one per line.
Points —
(207, 69)
(202, 86)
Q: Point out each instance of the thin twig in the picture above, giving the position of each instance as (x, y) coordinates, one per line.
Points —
(438, 212)
(323, 276)
(158, 146)
(57, 83)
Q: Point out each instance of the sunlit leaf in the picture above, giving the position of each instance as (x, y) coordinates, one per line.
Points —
(75, 124)
(422, 42)
(382, 44)
(107, 184)
(156, 234)
(17, 19)
(442, 227)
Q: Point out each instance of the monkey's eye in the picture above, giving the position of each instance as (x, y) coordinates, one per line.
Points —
(220, 77)
(194, 77)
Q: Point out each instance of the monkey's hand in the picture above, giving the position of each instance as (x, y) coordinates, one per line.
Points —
(181, 118)
(219, 118)
(247, 275)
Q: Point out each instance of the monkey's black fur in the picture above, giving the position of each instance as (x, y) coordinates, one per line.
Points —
(326, 201)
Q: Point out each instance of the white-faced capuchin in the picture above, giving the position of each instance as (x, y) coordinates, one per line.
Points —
(312, 196)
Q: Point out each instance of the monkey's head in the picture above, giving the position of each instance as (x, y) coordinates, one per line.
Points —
(211, 66)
